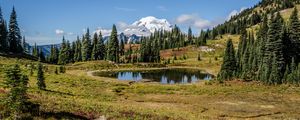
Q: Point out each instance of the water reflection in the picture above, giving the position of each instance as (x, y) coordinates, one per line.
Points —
(166, 76)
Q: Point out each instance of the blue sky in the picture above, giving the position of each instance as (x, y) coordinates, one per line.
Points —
(45, 21)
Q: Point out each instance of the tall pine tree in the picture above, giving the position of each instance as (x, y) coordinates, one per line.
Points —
(294, 30)
(3, 34)
(86, 46)
(40, 77)
(228, 68)
(113, 46)
(14, 35)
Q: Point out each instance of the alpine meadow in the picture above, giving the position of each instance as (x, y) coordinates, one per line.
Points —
(191, 60)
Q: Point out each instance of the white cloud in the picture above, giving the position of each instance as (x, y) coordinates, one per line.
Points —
(59, 32)
(104, 32)
(235, 12)
(162, 8)
(125, 9)
(194, 20)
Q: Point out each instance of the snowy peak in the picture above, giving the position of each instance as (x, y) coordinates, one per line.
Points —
(152, 24)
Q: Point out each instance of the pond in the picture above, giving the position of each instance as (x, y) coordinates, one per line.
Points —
(163, 76)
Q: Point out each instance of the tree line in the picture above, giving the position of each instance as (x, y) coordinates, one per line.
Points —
(273, 56)
(89, 48)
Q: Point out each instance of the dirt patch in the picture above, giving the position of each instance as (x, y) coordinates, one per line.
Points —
(172, 52)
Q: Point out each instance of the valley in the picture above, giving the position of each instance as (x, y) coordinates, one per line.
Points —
(81, 95)
(242, 66)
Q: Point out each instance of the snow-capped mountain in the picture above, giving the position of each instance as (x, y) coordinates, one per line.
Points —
(147, 25)
(130, 34)
(153, 24)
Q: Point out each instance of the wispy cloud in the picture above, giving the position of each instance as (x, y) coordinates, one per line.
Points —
(104, 32)
(59, 32)
(125, 9)
(235, 12)
(162, 8)
(194, 20)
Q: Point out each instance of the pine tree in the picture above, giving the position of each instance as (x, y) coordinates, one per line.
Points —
(41, 56)
(274, 47)
(77, 54)
(53, 58)
(72, 52)
(3, 34)
(190, 36)
(275, 75)
(63, 57)
(14, 35)
(293, 78)
(113, 46)
(40, 77)
(86, 46)
(69, 57)
(294, 30)
(122, 47)
(24, 46)
(101, 47)
(262, 39)
(16, 99)
(228, 68)
(35, 51)
(242, 47)
(95, 53)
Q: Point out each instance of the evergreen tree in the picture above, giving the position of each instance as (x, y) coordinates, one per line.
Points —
(228, 68)
(113, 46)
(293, 78)
(68, 52)
(190, 36)
(241, 50)
(275, 75)
(294, 30)
(40, 77)
(53, 58)
(63, 57)
(101, 47)
(14, 35)
(86, 46)
(3, 34)
(275, 47)
(35, 51)
(95, 52)
(24, 46)
(122, 47)
(41, 56)
(77, 51)
(16, 100)
(72, 52)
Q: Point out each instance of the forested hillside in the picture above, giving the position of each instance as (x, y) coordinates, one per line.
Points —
(271, 54)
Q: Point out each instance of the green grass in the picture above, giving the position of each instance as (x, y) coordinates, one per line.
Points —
(76, 95)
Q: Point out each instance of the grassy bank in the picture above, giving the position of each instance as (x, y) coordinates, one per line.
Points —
(75, 95)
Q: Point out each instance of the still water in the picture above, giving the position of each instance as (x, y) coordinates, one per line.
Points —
(165, 76)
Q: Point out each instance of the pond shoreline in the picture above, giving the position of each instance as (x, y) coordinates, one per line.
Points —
(180, 75)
